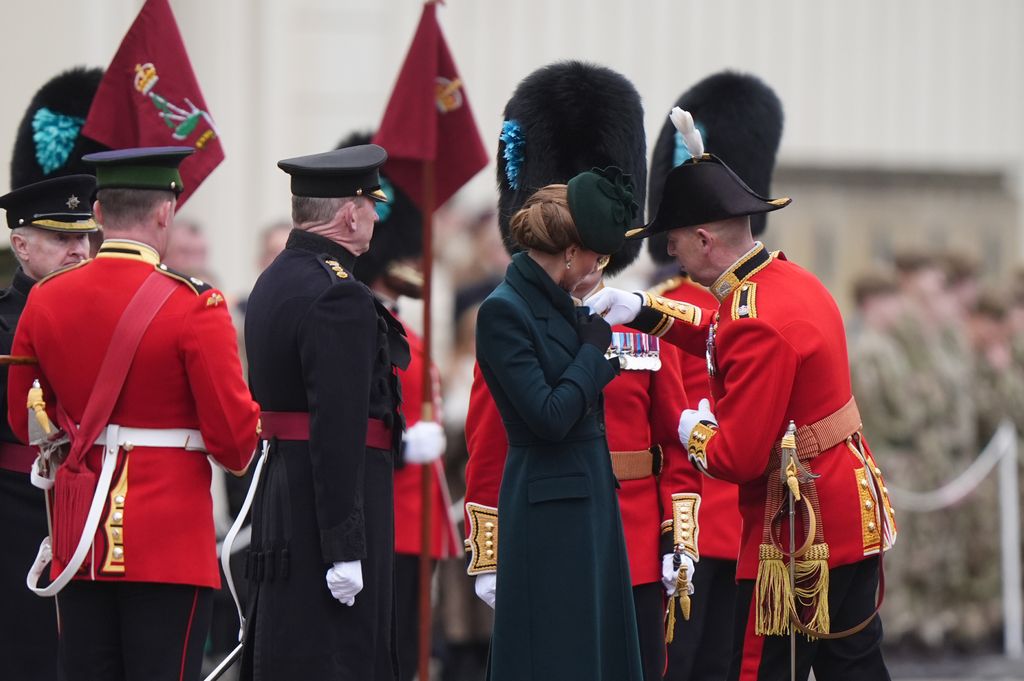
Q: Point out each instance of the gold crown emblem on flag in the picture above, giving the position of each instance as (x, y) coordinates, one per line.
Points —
(448, 94)
(145, 77)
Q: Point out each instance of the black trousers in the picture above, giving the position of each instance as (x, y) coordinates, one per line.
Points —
(407, 614)
(851, 599)
(702, 647)
(649, 601)
(133, 631)
(28, 623)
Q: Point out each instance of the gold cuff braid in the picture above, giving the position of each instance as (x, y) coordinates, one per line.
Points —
(697, 447)
(685, 522)
(482, 543)
(670, 311)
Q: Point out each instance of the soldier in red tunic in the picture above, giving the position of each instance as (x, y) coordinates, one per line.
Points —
(776, 352)
(143, 559)
(659, 491)
(742, 120)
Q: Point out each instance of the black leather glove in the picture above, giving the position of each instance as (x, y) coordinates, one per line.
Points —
(594, 330)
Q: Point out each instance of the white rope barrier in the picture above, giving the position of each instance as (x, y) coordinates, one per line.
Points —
(1002, 444)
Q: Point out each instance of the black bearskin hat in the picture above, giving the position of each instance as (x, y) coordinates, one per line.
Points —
(740, 119)
(399, 232)
(49, 142)
(563, 119)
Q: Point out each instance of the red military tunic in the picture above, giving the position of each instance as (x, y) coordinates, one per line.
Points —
(186, 374)
(641, 409)
(408, 478)
(719, 507)
(780, 355)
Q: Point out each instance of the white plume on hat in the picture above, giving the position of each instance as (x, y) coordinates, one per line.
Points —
(691, 135)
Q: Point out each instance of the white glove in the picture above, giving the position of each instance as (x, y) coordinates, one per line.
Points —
(669, 575)
(691, 417)
(345, 580)
(44, 482)
(485, 586)
(424, 442)
(615, 305)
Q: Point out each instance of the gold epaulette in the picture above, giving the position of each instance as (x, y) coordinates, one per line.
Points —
(482, 543)
(62, 270)
(669, 284)
(658, 314)
(697, 447)
(685, 524)
(744, 301)
(198, 286)
(334, 268)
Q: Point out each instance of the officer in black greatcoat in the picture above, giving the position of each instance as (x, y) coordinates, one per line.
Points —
(50, 225)
(322, 359)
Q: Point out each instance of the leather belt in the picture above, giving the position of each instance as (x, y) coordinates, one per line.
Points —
(637, 465)
(171, 438)
(17, 458)
(822, 435)
(294, 425)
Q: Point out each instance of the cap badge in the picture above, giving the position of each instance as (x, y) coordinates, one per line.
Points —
(72, 202)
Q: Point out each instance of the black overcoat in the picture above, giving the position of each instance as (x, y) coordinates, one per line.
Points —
(317, 341)
(28, 642)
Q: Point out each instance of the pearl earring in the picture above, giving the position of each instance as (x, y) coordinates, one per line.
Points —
(568, 264)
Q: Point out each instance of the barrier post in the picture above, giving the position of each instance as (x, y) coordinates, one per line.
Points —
(1009, 506)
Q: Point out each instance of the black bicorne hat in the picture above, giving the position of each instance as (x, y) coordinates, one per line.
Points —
(740, 119)
(564, 119)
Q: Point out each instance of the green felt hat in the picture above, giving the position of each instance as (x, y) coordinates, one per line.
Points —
(140, 168)
(602, 206)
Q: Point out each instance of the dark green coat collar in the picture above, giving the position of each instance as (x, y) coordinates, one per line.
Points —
(535, 286)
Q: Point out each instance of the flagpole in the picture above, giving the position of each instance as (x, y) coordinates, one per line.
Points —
(427, 414)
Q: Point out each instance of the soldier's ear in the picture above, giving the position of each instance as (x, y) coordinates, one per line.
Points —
(165, 213)
(19, 244)
(97, 211)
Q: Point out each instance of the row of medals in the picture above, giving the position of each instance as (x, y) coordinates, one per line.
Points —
(636, 351)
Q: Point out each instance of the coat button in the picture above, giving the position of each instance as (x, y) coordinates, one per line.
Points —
(118, 516)
(118, 553)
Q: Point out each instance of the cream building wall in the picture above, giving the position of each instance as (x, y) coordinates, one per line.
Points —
(907, 85)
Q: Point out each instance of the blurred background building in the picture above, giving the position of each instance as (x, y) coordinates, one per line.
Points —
(902, 118)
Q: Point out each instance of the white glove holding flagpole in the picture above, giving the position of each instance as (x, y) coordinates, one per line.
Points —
(424, 442)
(615, 305)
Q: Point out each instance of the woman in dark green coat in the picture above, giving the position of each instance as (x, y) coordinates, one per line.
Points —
(564, 606)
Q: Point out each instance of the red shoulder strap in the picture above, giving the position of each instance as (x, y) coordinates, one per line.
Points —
(135, 319)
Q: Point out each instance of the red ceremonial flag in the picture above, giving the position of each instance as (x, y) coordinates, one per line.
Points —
(149, 97)
(429, 119)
